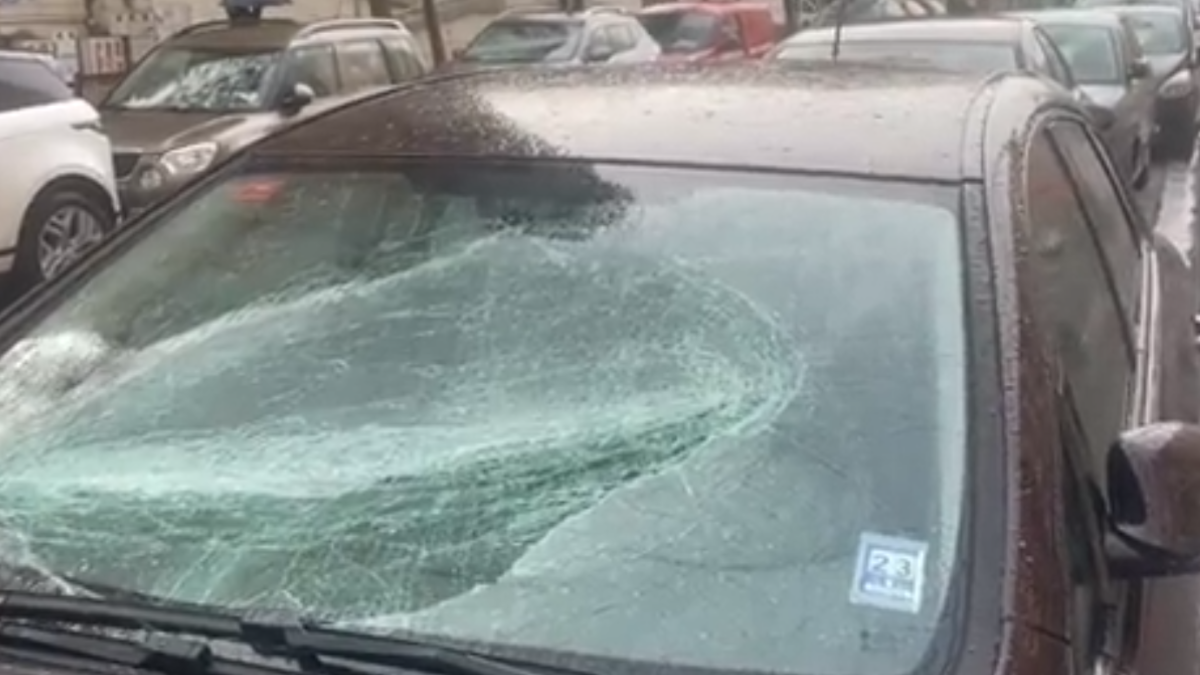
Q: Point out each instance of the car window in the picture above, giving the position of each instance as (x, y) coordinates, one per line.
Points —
(1091, 52)
(198, 79)
(489, 399)
(362, 66)
(315, 66)
(1056, 65)
(26, 83)
(1107, 211)
(622, 37)
(1159, 33)
(681, 30)
(1069, 285)
(599, 41)
(515, 40)
(963, 57)
(407, 64)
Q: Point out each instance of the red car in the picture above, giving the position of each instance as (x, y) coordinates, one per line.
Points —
(702, 31)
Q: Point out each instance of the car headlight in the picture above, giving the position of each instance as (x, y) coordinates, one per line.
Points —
(188, 160)
(1178, 86)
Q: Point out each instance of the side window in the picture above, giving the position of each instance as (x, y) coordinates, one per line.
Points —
(731, 34)
(406, 63)
(599, 42)
(362, 66)
(25, 83)
(316, 67)
(1098, 190)
(1056, 65)
(1080, 529)
(1068, 287)
(621, 37)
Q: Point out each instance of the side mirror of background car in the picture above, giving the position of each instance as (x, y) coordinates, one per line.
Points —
(598, 53)
(1103, 117)
(457, 53)
(1154, 501)
(294, 101)
(1139, 69)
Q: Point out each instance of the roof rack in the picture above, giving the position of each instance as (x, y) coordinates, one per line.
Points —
(339, 24)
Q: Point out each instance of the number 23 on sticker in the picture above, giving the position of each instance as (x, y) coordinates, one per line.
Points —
(889, 573)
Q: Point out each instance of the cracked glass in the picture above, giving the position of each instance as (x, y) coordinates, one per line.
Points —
(635, 413)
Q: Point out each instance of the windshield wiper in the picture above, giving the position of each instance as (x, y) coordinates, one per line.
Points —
(178, 640)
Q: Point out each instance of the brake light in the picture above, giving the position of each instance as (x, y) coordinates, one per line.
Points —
(257, 191)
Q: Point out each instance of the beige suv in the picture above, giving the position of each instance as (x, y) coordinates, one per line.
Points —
(217, 86)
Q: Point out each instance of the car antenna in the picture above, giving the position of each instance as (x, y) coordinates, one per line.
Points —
(839, 17)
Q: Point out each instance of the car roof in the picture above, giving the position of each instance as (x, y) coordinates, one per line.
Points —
(868, 119)
(240, 34)
(1084, 16)
(708, 7)
(973, 29)
(1162, 10)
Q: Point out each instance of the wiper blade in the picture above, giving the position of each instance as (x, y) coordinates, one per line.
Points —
(269, 634)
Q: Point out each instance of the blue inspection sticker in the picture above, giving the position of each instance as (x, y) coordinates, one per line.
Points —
(889, 573)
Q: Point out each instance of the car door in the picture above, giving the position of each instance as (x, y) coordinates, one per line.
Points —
(1084, 286)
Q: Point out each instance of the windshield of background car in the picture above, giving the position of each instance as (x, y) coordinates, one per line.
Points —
(594, 409)
(525, 41)
(1090, 51)
(682, 30)
(1158, 34)
(964, 57)
(197, 79)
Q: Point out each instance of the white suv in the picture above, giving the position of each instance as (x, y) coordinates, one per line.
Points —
(58, 196)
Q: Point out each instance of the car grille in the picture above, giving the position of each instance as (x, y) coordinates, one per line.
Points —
(124, 162)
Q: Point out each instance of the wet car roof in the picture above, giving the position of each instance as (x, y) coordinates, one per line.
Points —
(991, 29)
(862, 118)
(1080, 16)
(262, 34)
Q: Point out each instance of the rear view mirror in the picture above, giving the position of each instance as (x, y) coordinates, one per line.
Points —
(1139, 69)
(1154, 501)
(296, 99)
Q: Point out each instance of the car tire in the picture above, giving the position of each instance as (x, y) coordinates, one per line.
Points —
(1141, 166)
(59, 228)
(1179, 141)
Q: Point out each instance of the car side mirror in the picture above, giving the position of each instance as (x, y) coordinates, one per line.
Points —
(598, 53)
(457, 54)
(1139, 69)
(296, 99)
(1154, 502)
(1103, 117)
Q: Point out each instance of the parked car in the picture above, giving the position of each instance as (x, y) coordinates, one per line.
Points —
(214, 87)
(704, 31)
(462, 362)
(1173, 59)
(58, 196)
(1106, 60)
(1186, 8)
(597, 35)
(968, 45)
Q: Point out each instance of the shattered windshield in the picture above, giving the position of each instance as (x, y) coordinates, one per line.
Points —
(958, 57)
(525, 41)
(710, 419)
(194, 79)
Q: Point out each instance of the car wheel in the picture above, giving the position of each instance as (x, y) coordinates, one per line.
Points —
(60, 227)
(1141, 165)
(1180, 140)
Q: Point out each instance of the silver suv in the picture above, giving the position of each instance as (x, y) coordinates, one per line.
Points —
(545, 37)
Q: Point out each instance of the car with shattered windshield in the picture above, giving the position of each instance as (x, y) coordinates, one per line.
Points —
(214, 87)
(456, 380)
